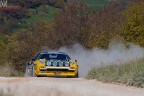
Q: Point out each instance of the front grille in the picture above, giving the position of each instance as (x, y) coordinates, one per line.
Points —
(58, 70)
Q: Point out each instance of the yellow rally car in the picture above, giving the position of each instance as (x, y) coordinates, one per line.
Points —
(57, 64)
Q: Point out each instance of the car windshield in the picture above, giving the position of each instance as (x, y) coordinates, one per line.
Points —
(37, 56)
(62, 57)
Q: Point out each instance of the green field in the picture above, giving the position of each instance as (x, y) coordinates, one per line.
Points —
(41, 13)
(38, 14)
(96, 4)
(130, 73)
(48, 13)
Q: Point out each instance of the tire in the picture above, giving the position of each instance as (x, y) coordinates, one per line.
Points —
(27, 72)
(33, 72)
(77, 75)
(30, 71)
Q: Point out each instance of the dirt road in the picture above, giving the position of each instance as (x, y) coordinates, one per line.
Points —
(64, 87)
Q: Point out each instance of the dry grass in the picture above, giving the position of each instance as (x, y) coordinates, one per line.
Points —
(130, 73)
(9, 71)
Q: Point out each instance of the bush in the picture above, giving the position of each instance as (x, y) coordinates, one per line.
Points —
(21, 47)
(132, 29)
(104, 25)
(72, 24)
(8, 70)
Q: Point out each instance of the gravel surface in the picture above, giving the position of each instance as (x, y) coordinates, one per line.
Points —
(64, 87)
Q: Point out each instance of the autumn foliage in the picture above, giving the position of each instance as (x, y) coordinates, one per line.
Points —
(132, 29)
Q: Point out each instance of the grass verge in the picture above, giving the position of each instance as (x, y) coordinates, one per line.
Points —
(131, 74)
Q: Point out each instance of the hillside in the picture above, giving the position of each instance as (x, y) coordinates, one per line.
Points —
(47, 13)
(41, 13)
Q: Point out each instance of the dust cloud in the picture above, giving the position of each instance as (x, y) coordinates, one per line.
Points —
(117, 53)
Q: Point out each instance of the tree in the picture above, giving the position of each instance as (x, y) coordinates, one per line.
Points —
(72, 24)
(132, 29)
(104, 25)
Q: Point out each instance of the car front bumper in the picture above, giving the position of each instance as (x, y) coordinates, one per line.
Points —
(58, 68)
(56, 72)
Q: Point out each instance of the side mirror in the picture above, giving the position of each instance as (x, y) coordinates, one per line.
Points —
(29, 64)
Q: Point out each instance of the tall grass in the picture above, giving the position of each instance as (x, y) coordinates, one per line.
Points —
(130, 73)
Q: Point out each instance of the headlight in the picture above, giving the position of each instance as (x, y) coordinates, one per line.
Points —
(42, 61)
(72, 62)
(67, 64)
(54, 63)
(60, 63)
(49, 63)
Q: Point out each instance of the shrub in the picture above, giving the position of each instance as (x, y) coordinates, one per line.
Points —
(21, 47)
(132, 29)
(72, 24)
(104, 25)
